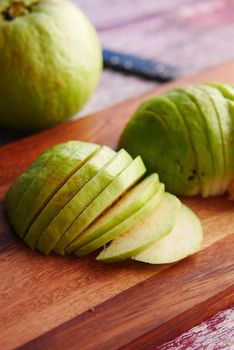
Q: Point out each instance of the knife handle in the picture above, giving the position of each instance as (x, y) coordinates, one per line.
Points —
(135, 65)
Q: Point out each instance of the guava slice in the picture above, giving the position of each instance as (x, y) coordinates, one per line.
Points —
(184, 239)
(58, 169)
(120, 184)
(230, 188)
(127, 205)
(124, 226)
(87, 169)
(226, 90)
(22, 182)
(231, 139)
(81, 200)
(225, 124)
(206, 107)
(197, 130)
(126, 179)
(151, 134)
(153, 227)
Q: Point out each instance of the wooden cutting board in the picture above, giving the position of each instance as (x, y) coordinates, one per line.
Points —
(70, 303)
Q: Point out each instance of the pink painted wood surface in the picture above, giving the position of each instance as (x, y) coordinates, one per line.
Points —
(187, 33)
(217, 333)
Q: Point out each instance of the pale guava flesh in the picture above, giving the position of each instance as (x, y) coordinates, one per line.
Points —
(184, 239)
(156, 225)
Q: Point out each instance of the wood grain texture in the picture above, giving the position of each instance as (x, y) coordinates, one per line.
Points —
(78, 303)
(147, 314)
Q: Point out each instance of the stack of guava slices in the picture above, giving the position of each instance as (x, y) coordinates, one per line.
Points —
(187, 137)
(78, 197)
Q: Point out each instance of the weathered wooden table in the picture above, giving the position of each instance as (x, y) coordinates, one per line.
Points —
(189, 34)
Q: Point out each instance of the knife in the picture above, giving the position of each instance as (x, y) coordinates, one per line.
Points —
(139, 66)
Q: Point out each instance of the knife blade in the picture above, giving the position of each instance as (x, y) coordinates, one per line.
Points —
(135, 65)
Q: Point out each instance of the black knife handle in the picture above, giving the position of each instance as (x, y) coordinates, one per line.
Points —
(135, 65)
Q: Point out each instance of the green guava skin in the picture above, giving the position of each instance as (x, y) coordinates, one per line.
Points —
(55, 173)
(22, 182)
(50, 64)
(54, 232)
(206, 106)
(126, 179)
(153, 133)
(225, 124)
(227, 91)
(86, 169)
(197, 130)
(126, 225)
(127, 205)
(231, 140)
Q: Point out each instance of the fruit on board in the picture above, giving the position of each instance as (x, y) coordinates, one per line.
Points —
(87, 196)
(125, 225)
(184, 239)
(208, 114)
(127, 205)
(47, 80)
(59, 225)
(154, 226)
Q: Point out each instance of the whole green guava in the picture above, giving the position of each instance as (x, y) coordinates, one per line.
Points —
(50, 62)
